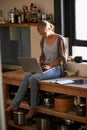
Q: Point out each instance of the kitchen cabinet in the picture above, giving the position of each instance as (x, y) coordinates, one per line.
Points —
(19, 40)
(14, 78)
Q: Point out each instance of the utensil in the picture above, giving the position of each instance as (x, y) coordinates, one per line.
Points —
(18, 117)
(43, 123)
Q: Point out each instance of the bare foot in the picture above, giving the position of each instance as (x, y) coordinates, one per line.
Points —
(30, 114)
(10, 108)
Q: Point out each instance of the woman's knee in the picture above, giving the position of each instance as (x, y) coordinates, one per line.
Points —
(26, 77)
(33, 80)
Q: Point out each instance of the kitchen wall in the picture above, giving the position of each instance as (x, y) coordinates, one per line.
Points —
(35, 43)
(46, 6)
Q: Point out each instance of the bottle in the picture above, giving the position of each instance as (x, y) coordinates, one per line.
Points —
(15, 15)
(23, 14)
(22, 17)
(11, 16)
(27, 16)
(38, 15)
(33, 13)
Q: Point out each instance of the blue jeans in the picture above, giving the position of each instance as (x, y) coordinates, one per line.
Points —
(32, 81)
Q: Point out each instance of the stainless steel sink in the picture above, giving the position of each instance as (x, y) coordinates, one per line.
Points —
(79, 81)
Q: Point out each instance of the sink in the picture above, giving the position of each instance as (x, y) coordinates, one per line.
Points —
(79, 81)
(7, 70)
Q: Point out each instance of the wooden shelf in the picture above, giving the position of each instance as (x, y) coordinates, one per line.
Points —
(18, 24)
(31, 127)
(41, 109)
(23, 105)
(69, 115)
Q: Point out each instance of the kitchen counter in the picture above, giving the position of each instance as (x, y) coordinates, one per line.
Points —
(15, 78)
(69, 81)
(59, 85)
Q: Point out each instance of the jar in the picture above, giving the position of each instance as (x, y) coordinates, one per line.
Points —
(80, 109)
(48, 100)
(12, 17)
(82, 127)
(43, 123)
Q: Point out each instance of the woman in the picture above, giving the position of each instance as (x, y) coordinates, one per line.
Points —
(53, 55)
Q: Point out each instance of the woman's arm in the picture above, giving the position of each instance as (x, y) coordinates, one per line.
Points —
(62, 50)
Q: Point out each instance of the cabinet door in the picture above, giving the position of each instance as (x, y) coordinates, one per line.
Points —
(35, 42)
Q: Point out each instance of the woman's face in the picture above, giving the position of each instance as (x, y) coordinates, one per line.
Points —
(44, 31)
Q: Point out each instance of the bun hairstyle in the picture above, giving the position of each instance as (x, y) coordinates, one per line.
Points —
(45, 23)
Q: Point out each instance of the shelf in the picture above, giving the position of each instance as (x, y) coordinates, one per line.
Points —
(18, 24)
(23, 105)
(31, 127)
(69, 115)
(41, 109)
(15, 78)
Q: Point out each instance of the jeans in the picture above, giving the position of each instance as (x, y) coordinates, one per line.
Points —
(32, 81)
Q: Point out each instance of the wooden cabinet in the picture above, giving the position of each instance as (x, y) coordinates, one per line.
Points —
(15, 78)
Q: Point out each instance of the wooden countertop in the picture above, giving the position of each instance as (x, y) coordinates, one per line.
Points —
(15, 78)
(18, 74)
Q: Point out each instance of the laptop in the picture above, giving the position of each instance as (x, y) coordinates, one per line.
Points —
(30, 65)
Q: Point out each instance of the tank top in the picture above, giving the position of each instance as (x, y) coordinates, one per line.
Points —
(50, 51)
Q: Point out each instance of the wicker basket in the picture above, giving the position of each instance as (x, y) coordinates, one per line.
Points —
(63, 103)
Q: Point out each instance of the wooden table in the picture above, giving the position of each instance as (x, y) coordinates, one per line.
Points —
(15, 78)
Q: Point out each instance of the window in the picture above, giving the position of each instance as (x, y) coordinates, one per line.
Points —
(74, 24)
(81, 19)
(80, 43)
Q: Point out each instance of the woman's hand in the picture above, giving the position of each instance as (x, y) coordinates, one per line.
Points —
(41, 62)
(46, 67)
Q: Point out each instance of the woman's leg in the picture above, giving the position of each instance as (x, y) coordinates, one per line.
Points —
(20, 93)
(50, 74)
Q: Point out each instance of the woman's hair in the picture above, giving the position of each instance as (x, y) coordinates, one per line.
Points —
(45, 23)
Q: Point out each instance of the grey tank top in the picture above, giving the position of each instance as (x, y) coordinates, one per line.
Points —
(50, 51)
